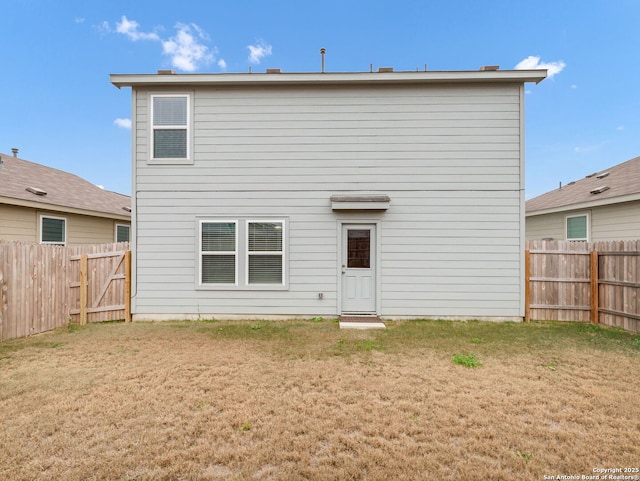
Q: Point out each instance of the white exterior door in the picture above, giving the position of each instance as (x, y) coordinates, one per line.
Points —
(359, 269)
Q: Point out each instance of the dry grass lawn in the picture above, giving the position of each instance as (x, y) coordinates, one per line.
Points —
(307, 401)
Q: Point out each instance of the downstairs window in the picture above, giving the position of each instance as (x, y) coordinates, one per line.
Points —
(242, 253)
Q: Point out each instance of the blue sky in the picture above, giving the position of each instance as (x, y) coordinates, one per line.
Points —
(58, 107)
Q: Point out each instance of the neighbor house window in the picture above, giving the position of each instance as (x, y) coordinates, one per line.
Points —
(122, 232)
(219, 252)
(242, 253)
(577, 227)
(170, 126)
(53, 230)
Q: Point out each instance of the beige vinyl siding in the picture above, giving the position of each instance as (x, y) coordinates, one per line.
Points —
(616, 222)
(18, 223)
(23, 224)
(83, 229)
(448, 157)
(547, 226)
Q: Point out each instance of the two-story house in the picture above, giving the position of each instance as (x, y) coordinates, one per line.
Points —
(397, 194)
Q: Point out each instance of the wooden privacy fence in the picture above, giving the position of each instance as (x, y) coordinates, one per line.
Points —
(584, 282)
(43, 287)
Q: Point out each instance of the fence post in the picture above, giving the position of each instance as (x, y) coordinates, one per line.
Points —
(83, 289)
(595, 318)
(127, 286)
(527, 287)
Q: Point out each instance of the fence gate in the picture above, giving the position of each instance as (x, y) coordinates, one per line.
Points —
(100, 287)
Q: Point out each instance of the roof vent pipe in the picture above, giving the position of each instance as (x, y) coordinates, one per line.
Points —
(322, 52)
(15, 152)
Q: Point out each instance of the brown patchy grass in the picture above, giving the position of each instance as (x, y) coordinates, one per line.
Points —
(306, 401)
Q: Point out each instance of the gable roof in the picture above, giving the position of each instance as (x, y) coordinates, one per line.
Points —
(22, 181)
(620, 183)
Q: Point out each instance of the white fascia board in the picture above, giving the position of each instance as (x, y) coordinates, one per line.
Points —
(586, 205)
(232, 79)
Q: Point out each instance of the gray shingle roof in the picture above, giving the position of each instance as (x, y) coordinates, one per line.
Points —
(62, 188)
(604, 186)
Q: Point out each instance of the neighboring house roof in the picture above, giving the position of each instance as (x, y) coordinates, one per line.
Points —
(33, 185)
(620, 183)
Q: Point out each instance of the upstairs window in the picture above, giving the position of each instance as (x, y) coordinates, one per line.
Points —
(170, 126)
(53, 230)
(577, 227)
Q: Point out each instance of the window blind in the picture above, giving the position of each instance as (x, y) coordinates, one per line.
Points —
(265, 252)
(170, 127)
(170, 111)
(218, 245)
(577, 227)
(53, 230)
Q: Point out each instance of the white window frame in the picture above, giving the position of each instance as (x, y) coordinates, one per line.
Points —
(202, 253)
(46, 216)
(115, 237)
(249, 253)
(188, 127)
(588, 222)
(242, 254)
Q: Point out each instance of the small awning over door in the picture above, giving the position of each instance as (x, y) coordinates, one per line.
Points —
(360, 202)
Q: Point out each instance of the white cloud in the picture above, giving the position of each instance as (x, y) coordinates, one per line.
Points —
(259, 51)
(574, 86)
(123, 123)
(185, 49)
(620, 127)
(103, 27)
(588, 148)
(79, 20)
(532, 63)
(130, 29)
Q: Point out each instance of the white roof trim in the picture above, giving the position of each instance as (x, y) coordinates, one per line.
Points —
(135, 80)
